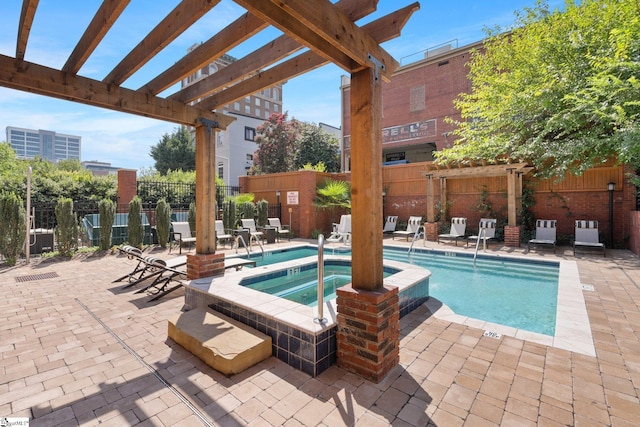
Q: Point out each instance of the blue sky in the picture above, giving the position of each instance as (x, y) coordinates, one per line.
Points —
(124, 140)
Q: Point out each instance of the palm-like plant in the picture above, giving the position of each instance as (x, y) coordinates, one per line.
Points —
(333, 194)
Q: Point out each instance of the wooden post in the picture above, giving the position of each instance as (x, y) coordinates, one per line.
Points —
(511, 197)
(366, 180)
(443, 198)
(205, 189)
(430, 208)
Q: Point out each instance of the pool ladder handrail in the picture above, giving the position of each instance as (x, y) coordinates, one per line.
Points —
(320, 319)
(416, 236)
(481, 234)
(248, 247)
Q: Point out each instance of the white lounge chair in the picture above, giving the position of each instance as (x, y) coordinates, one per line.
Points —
(458, 230)
(342, 232)
(486, 231)
(281, 230)
(587, 236)
(223, 236)
(182, 234)
(250, 224)
(545, 234)
(413, 226)
(390, 224)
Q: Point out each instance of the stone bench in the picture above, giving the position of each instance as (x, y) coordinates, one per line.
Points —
(224, 344)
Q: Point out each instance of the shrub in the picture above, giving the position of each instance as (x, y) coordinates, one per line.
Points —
(247, 210)
(107, 210)
(134, 222)
(191, 218)
(12, 227)
(66, 231)
(229, 215)
(262, 208)
(163, 220)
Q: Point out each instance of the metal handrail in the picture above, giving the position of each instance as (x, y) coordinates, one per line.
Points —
(416, 236)
(481, 233)
(320, 319)
(239, 237)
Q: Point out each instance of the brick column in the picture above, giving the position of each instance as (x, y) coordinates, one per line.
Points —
(204, 265)
(431, 231)
(127, 186)
(368, 331)
(512, 236)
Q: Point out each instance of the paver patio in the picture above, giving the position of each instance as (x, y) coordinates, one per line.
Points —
(78, 350)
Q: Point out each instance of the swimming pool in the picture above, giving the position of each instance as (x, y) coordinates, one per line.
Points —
(518, 294)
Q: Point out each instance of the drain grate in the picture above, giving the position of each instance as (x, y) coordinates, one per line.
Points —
(40, 276)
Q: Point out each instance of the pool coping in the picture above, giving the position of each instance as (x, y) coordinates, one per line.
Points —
(573, 329)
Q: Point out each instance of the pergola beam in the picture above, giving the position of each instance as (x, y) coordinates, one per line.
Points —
(24, 26)
(102, 21)
(174, 24)
(381, 30)
(42, 80)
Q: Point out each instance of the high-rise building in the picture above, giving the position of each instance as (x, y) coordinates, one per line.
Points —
(46, 144)
(235, 145)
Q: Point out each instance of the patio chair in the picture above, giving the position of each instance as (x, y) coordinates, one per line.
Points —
(181, 234)
(165, 272)
(250, 225)
(587, 236)
(133, 253)
(413, 226)
(342, 231)
(151, 267)
(458, 230)
(390, 224)
(545, 234)
(486, 231)
(222, 235)
(281, 230)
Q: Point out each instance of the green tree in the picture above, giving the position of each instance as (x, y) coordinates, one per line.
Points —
(561, 91)
(12, 227)
(66, 231)
(333, 194)
(278, 144)
(134, 223)
(175, 151)
(317, 146)
(107, 210)
(163, 221)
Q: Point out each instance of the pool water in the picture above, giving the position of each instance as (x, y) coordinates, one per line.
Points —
(520, 294)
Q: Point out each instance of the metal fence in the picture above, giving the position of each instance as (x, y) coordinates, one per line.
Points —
(176, 193)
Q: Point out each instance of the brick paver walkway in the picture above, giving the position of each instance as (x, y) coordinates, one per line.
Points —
(77, 350)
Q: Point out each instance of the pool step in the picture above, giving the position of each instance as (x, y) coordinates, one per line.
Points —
(224, 344)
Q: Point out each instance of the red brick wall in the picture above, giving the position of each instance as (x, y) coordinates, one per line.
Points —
(127, 185)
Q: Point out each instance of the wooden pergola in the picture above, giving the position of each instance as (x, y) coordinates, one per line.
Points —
(513, 172)
(315, 32)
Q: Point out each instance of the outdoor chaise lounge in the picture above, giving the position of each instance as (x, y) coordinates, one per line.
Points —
(150, 267)
(457, 231)
(486, 231)
(545, 234)
(587, 236)
(414, 225)
(181, 234)
(222, 235)
(342, 231)
(390, 224)
(281, 230)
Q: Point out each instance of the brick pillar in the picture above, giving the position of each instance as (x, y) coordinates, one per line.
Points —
(127, 186)
(431, 231)
(368, 331)
(512, 236)
(204, 265)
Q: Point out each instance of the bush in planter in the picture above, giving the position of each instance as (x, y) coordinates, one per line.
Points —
(163, 221)
(12, 227)
(134, 223)
(262, 209)
(107, 210)
(66, 231)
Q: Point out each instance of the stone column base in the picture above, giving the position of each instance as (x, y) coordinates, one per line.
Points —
(431, 231)
(368, 337)
(204, 265)
(512, 236)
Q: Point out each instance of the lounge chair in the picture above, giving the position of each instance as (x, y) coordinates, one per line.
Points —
(587, 236)
(181, 234)
(545, 234)
(222, 235)
(486, 231)
(390, 224)
(281, 230)
(151, 267)
(458, 230)
(414, 225)
(165, 272)
(342, 231)
(133, 253)
(250, 225)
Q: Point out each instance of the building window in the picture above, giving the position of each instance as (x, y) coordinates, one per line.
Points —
(249, 134)
(257, 112)
(276, 108)
(221, 170)
(258, 102)
(236, 106)
(247, 108)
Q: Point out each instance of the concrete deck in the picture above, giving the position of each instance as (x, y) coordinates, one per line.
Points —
(76, 349)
